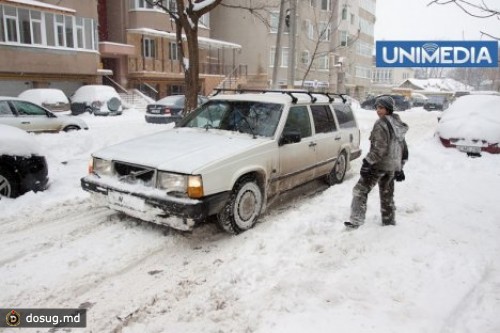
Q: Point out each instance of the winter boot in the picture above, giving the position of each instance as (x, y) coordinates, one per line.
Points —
(350, 225)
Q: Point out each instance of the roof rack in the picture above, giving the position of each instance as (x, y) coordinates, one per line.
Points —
(287, 92)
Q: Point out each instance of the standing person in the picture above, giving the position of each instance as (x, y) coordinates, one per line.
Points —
(382, 165)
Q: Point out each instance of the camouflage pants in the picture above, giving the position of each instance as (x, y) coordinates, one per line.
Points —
(385, 180)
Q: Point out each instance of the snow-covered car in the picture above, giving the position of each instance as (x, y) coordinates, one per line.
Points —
(168, 109)
(472, 124)
(418, 99)
(52, 99)
(227, 158)
(100, 100)
(22, 167)
(34, 118)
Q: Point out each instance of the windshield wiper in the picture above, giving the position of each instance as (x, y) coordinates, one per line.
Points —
(246, 121)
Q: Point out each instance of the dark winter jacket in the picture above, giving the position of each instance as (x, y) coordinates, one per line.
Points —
(388, 150)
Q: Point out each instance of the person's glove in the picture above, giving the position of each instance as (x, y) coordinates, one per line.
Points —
(399, 176)
(366, 169)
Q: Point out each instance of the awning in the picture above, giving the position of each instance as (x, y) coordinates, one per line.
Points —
(40, 5)
(202, 41)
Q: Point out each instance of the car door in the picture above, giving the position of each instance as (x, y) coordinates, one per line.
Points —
(327, 139)
(7, 115)
(297, 159)
(34, 118)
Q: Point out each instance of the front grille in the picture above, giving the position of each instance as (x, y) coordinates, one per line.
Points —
(132, 173)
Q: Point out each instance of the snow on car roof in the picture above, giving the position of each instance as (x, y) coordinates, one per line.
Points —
(15, 141)
(44, 95)
(472, 117)
(93, 92)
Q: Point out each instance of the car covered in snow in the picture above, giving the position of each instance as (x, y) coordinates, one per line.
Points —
(472, 124)
(228, 158)
(52, 99)
(34, 118)
(22, 167)
(101, 100)
(168, 109)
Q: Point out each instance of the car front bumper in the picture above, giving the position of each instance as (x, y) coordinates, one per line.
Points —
(153, 206)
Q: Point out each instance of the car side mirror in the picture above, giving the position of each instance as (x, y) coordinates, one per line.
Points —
(290, 136)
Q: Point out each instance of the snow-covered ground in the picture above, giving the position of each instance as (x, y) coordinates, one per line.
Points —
(298, 270)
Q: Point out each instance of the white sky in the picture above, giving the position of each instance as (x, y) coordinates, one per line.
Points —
(414, 20)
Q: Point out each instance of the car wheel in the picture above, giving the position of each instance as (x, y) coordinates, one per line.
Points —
(9, 186)
(243, 208)
(336, 176)
(114, 104)
(71, 128)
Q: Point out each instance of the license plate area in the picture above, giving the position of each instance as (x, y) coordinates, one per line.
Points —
(469, 149)
(126, 201)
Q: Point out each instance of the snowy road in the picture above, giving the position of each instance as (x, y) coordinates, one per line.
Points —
(298, 270)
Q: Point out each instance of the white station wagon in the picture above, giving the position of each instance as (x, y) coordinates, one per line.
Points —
(228, 158)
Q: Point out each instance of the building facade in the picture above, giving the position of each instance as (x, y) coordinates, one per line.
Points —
(47, 44)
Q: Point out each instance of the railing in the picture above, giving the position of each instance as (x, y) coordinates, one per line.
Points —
(148, 90)
(110, 82)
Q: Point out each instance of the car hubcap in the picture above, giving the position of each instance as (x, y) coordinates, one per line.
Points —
(247, 206)
(340, 167)
(5, 189)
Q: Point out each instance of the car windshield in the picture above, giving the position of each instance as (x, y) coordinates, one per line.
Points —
(256, 118)
(436, 99)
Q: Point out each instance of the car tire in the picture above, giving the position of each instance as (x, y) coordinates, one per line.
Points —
(336, 176)
(243, 208)
(114, 104)
(9, 186)
(71, 128)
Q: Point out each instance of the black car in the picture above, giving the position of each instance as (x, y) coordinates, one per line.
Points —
(436, 103)
(22, 169)
(401, 102)
(168, 109)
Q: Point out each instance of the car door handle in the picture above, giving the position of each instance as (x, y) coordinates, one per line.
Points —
(337, 138)
(25, 122)
(312, 144)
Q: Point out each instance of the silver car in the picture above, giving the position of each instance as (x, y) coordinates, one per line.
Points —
(34, 118)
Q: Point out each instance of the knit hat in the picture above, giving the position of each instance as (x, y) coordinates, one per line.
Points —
(385, 101)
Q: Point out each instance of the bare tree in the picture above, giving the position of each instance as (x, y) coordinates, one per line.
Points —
(186, 16)
(475, 9)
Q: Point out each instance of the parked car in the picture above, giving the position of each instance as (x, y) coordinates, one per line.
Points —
(436, 103)
(22, 167)
(168, 109)
(100, 100)
(34, 118)
(401, 102)
(418, 100)
(227, 158)
(52, 99)
(472, 125)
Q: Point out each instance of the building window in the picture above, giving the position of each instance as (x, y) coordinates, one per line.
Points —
(10, 21)
(325, 4)
(305, 57)
(308, 28)
(2, 31)
(324, 62)
(205, 20)
(343, 38)
(148, 48)
(68, 31)
(284, 57)
(324, 31)
(79, 33)
(174, 51)
(344, 13)
(36, 27)
(60, 30)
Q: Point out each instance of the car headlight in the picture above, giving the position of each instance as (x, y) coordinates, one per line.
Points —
(100, 166)
(186, 184)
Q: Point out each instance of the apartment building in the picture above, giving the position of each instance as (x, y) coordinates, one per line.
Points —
(124, 43)
(47, 44)
(333, 44)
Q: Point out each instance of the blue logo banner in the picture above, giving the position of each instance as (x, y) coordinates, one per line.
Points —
(437, 53)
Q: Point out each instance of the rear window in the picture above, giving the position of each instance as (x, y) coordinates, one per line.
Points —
(345, 116)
